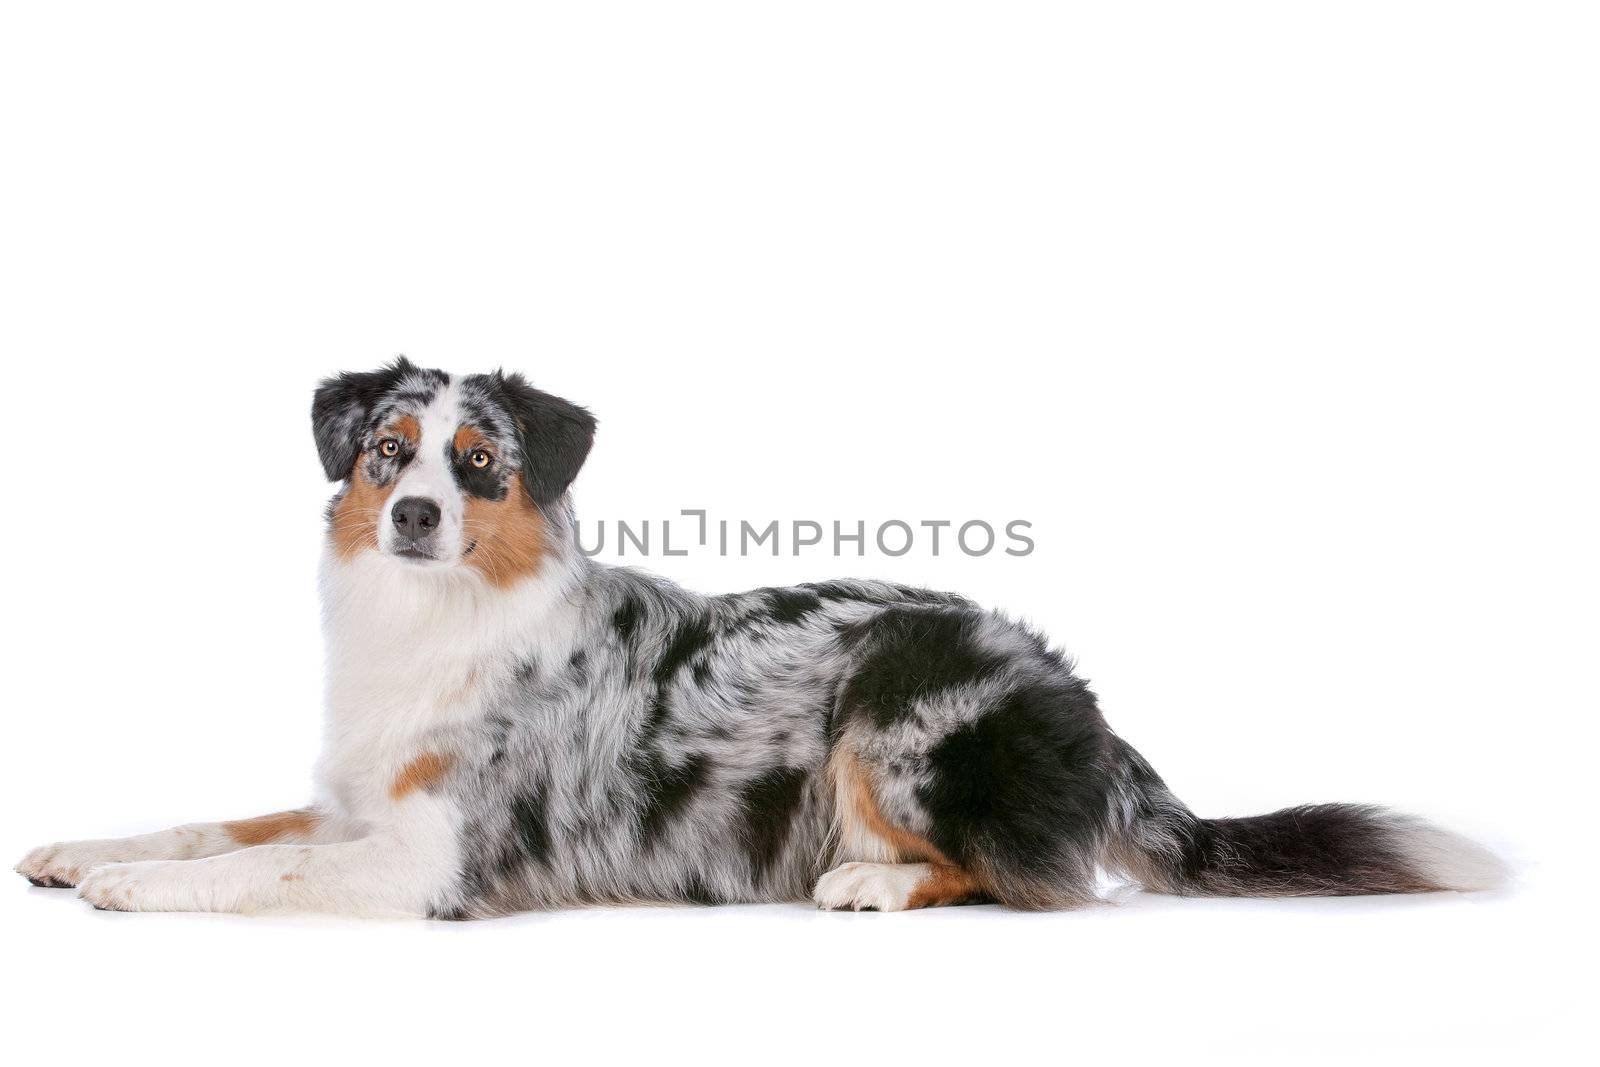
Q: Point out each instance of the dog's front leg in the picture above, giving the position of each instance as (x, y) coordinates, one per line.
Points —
(396, 870)
(64, 864)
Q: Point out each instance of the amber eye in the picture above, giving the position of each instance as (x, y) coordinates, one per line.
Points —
(479, 458)
(389, 447)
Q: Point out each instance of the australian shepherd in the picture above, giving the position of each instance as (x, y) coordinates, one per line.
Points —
(511, 725)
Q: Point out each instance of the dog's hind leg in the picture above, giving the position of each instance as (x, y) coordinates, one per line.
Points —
(963, 743)
(887, 867)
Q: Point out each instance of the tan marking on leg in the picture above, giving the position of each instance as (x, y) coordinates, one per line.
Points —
(267, 828)
(421, 773)
(507, 536)
(945, 885)
(356, 515)
(867, 835)
(862, 822)
(864, 835)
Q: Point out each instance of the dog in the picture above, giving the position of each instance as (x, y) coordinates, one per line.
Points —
(513, 726)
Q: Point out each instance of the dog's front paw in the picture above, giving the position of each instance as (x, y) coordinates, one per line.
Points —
(150, 885)
(63, 865)
(869, 886)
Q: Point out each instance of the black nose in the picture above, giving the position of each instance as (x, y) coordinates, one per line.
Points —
(415, 516)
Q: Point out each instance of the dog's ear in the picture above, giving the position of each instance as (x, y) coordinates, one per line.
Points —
(340, 410)
(554, 436)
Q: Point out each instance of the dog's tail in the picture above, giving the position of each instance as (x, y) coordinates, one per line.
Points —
(1315, 850)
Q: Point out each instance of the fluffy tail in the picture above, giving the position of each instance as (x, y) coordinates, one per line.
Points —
(1315, 850)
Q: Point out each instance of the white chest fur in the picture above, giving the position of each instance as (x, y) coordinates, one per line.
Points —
(412, 652)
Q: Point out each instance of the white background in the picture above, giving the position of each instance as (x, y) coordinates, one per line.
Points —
(1278, 322)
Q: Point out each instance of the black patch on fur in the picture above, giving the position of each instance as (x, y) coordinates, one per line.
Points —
(488, 483)
(1025, 786)
(695, 891)
(529, 824)
(668, 790)
(625, 619)
(690, 636)
(790, 606)
(770, 803)
(909, 653)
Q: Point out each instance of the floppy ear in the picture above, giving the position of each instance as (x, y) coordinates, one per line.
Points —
(554, 436)
(340, 409)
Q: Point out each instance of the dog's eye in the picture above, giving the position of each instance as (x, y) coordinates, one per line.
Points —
(389, 447)
(479, 458)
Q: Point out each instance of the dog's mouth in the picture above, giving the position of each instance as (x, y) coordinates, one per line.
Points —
(421, 553)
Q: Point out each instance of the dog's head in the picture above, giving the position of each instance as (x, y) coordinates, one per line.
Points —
(443, 471)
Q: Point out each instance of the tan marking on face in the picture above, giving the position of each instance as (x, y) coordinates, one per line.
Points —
(356, 515)
(467, 438)
(421, 773)
(267, 828)
(405, 426)
(508, 535)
